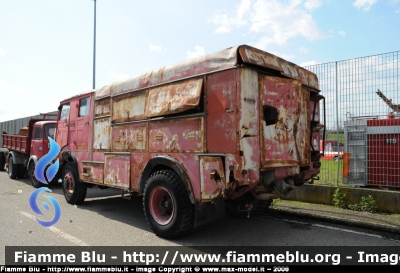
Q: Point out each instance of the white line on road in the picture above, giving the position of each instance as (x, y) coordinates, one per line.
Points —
(57, 231)
(334, 228)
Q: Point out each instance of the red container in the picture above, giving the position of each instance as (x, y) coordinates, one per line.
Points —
(383, 152)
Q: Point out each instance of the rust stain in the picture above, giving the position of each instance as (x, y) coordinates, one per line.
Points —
(174, 98)
(102, 107)
(177, 135)
(129, 107)
(130, 137)
(101, 134)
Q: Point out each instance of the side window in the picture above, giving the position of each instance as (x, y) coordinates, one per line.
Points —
(64, 112)
(38, 133)
(84, 107)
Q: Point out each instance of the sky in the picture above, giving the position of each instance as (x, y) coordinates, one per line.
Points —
(47, 46)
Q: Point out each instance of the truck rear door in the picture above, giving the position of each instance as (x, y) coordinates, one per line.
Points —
(286, 126)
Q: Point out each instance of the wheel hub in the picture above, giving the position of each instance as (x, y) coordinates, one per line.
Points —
(162, 207)
(68, 183)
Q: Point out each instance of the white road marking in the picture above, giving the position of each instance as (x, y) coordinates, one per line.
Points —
(335, 228)
(57, 231)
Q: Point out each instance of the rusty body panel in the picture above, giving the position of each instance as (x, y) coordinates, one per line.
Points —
(117, 170)
(102, 134)
(286, 137)
(258, 57)
(129, 137)
(129, 107)
(249, 136)
(221, 60)
(174, 98)
(212, 177)
(221, 111)
(177, 135)
(232, 124)
(138, 163)
(92, 172)
(102, 107)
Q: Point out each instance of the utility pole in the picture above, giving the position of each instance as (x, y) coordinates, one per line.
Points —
(94, 47)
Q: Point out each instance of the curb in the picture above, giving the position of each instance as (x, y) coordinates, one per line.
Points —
(354, 223)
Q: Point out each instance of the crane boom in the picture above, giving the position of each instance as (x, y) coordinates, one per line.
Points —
(394, 107)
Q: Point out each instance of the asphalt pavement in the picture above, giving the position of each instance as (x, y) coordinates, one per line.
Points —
(384, 222)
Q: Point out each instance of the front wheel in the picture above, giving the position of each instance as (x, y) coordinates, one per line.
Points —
(35, 183)
(167, 206)
(73, 189)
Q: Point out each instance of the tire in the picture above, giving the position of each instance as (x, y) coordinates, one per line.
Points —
(167, 206)
(73, 189)
(12, 168)
(336, 158)
(31, 172)
(2, 161)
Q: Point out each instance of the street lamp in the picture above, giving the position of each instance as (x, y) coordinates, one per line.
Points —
(94, 46)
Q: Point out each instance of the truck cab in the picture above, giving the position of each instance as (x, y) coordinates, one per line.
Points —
(332, 150)
(26, 148)
(41, 132)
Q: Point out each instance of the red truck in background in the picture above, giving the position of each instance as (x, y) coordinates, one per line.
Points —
(26, 148)
(332, 149)
(228, 130)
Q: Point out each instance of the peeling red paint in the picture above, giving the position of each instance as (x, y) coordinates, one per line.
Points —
(177, 135)
(221, 121)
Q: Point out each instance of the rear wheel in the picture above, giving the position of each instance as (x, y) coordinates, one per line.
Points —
(73, 189)
(35, 183)
(167, 206)
(12, 168)
(2, 161)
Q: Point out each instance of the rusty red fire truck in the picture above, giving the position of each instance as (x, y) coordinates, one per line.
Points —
(228, 129)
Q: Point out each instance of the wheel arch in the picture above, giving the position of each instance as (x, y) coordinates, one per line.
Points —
(166, 162)
(17, 157)
(68, 156)
(33, 159)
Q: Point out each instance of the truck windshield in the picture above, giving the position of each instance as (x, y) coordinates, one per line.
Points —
(49, 130)
(64, 112)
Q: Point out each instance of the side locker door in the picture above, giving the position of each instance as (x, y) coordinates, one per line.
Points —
(62, 130)
(83, 127)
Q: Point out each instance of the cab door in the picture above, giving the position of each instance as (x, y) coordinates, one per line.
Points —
(83, 125)
(37, 142)
(62, 130)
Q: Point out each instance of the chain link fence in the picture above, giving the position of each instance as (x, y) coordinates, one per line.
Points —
(362, 126)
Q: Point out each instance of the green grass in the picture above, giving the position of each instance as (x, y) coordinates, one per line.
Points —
(329, 173)
(335, 137)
